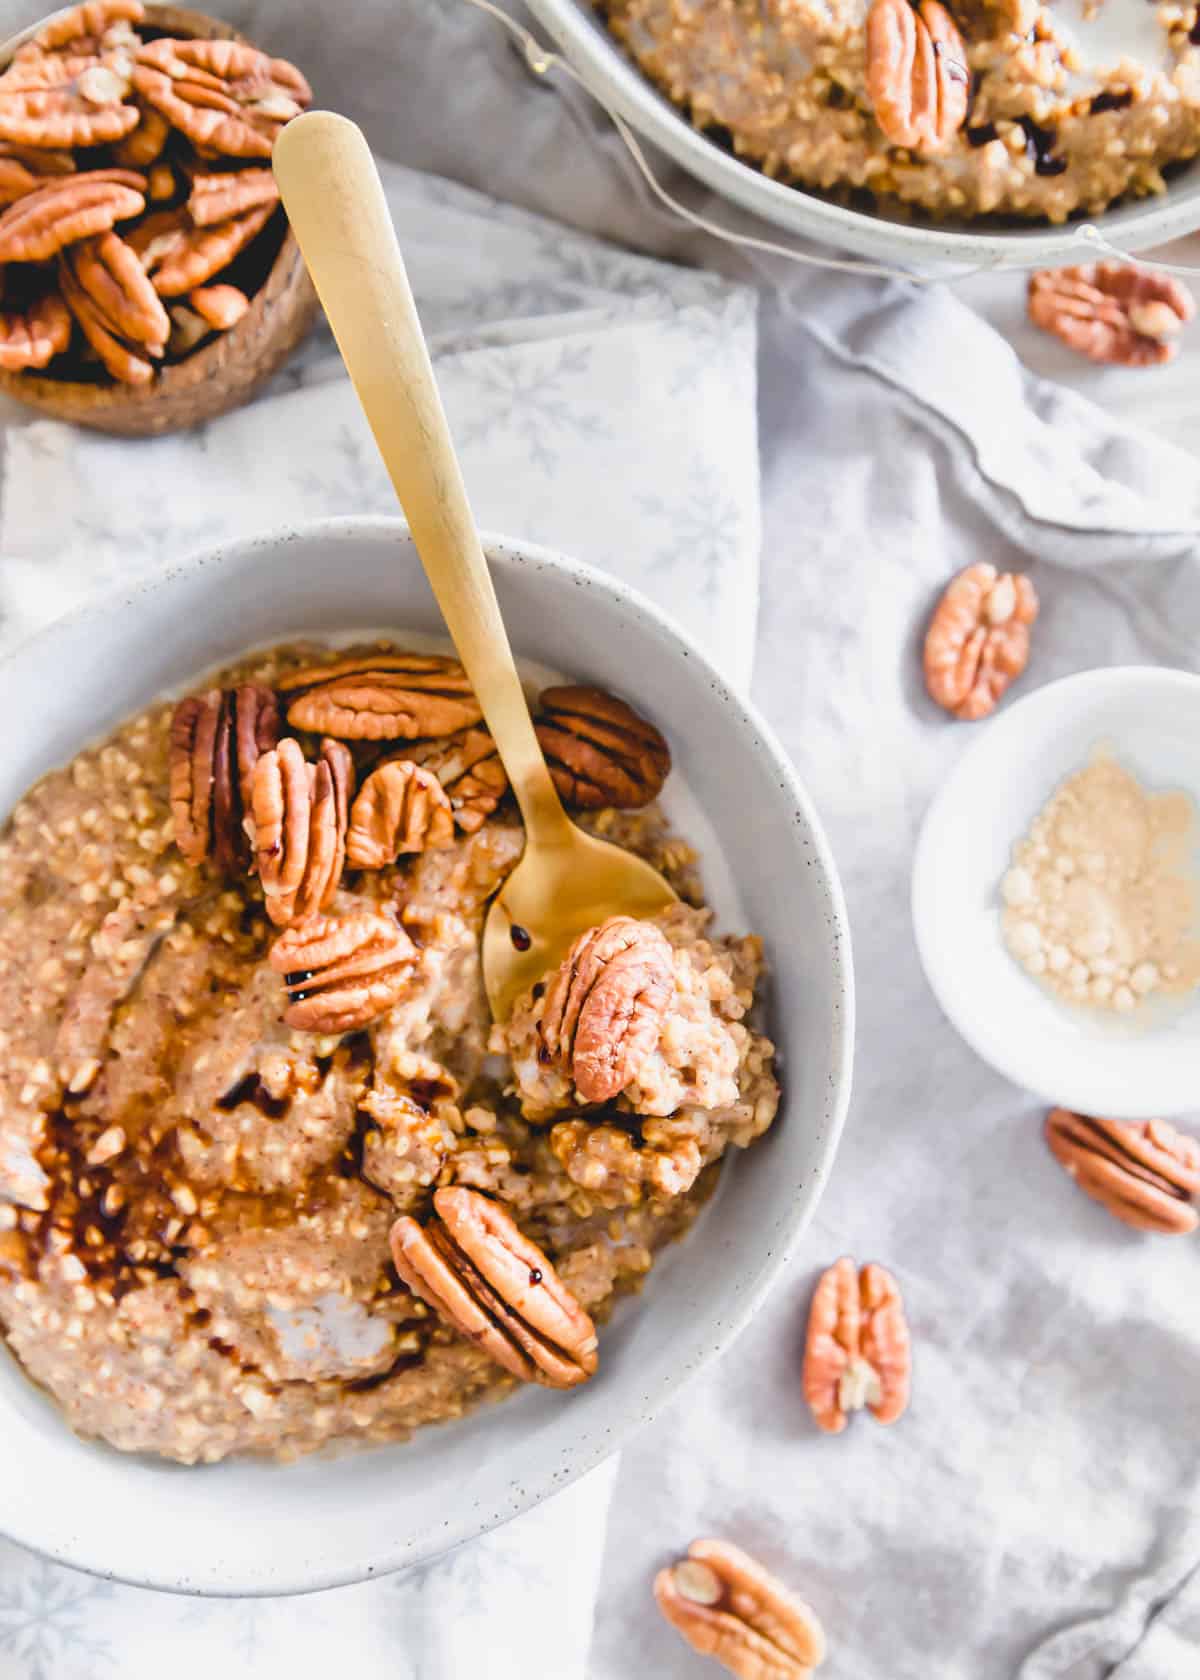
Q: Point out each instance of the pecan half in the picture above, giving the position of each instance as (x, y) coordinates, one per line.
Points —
(300, 815)
(487, 1280)
(32, 337)
(58, 99)
(122, 360)
(728, 1607)
(179, 257)
(399, 808)
(1145, 1173)
(39, 225)
(599, 750)
(382, 697)
(917, 77)
(95, 27)
(606, 1004)
(216, 741)
(219, 307)
(215, 198)
(342, 971)
(224, 96)
(978, 640)
(857, 1352)
(1110, 312)
(108, 272)
(23, 169)
(144, 144)
(469, 768)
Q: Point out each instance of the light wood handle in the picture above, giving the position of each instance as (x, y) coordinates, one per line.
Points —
(335, 202)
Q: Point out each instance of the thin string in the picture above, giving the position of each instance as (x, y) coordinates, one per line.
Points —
(543, 63)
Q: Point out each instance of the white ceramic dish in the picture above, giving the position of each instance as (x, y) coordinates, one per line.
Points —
(579, 33)
(1093, 1063)
(244, 1527)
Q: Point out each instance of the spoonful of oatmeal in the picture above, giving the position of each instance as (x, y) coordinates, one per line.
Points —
(567, 881)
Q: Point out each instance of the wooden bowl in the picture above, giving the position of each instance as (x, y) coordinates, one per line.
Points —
(227, 370)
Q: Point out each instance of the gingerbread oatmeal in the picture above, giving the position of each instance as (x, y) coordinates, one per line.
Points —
(269, 1177)
(976, 107)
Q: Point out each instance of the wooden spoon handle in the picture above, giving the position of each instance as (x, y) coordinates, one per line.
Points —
(335, 202)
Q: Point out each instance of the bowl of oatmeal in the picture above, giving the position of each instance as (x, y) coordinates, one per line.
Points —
(276, 1197)
(986, 132)
(1056, 893)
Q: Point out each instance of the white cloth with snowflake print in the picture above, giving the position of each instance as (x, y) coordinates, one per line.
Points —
(603, 404)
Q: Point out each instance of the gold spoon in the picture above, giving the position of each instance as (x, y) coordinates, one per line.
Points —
(566, 880)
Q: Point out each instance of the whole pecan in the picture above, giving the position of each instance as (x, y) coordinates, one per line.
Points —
(606, 1003)
(399, 808)
(97, 26)
(300, 814)
(382, 697)
(32, 337)
(219, 307)
(487, 1280)
(215, 198)
(57, 99)
(23, 169)
(469, 768)
(978, 640)
(599, 750)
(144, 144)
(40, 224)
(225, 96)
(728, 1607)
(917, 77)
(179, 257)
(857, 1352)
(216, 741)
(1111, 312)
(1145, 1173)
(342, 971)
(109, 274)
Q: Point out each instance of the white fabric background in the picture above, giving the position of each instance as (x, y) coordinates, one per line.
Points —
(1035, 1515)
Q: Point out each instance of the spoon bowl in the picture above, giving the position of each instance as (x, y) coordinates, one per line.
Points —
(566, 880)
(553, 895)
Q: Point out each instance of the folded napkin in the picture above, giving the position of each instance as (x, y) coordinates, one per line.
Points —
(603, 404)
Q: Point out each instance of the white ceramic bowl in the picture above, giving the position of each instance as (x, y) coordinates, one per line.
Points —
(901, 238)
(243, 1527)
(1092, 1063)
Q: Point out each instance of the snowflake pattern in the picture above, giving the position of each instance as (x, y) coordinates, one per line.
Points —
(47, 1623)
(702, 527)
(531, 398)
(347, 477)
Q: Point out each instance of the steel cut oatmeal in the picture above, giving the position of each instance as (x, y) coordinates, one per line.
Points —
(269, 1178)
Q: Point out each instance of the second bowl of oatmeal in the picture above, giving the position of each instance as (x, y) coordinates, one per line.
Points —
(1057, 113)
(1056, 893)
(252, 1048)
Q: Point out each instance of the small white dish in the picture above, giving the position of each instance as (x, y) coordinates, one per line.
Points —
(1092, 1062)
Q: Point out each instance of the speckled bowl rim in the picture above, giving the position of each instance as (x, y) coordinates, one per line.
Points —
(638, 1408)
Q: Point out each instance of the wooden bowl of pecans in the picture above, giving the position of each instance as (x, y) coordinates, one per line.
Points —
(148, 278)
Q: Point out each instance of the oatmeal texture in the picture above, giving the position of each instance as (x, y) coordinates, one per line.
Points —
(1004, 107)
(208, 1156)
(1102, 902)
